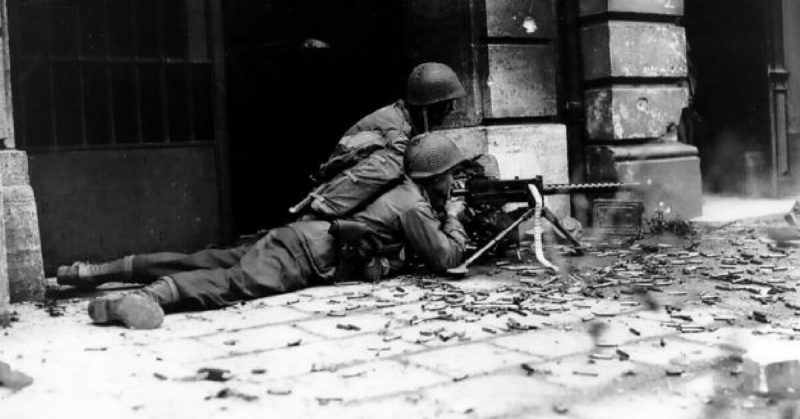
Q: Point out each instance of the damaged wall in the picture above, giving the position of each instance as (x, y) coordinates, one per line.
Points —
(635, 73)
(507, 55)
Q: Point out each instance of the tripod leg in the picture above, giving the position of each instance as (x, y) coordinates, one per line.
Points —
(538, 251)
(553, 218)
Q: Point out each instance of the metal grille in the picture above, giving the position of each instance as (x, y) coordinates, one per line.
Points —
(111, 73)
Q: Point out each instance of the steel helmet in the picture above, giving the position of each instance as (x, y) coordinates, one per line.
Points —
(431, 154)
(430, 83)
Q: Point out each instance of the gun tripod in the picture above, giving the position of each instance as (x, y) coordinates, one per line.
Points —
(505, 191)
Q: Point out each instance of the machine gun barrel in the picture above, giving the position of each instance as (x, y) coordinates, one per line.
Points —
(513, 190)
(567, 188)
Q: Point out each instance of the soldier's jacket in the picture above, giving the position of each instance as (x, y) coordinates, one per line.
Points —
(367, 161)
(401, 216)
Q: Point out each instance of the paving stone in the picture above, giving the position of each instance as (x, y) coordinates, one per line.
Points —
(729, 337)
(328, 326)
(699, 316)
(182, 351)
(548, 343)
(364, 381)
(555, 319)
(579, 373)
(701, 387)
(772, 367)
(469, 359)
(322, 305)
(330, 354)
(401, 294)
(258, 339)
(403, 313)
(421, 333)
(483, 283)
(652, 404)
(607, 308)
(335, 290)
(231, 320)
(411, 405)
(623, 329)
(493, 395)
(675, 352)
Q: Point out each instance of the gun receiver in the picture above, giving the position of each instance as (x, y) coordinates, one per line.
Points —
(516, 190)
(530, 191)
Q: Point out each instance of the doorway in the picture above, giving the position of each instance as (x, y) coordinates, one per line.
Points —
(300, 73)
(730, 115)
(743, 56)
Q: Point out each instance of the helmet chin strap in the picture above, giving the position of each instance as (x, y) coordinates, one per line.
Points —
(425, 124)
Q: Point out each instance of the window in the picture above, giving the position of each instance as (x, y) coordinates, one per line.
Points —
(100, 73)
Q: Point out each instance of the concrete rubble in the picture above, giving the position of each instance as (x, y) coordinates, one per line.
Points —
(684, 325)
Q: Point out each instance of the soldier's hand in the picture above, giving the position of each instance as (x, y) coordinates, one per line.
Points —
(454, 207)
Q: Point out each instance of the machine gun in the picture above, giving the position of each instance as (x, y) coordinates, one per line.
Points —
(530, 192)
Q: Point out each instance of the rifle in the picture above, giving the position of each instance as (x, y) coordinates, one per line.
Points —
(531, 192)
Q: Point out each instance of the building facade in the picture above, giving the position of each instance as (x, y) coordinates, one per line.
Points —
(148, 125)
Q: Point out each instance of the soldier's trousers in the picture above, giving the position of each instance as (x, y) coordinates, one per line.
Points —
(220, 277)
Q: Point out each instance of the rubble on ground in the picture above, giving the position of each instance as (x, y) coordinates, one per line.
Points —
(12, 379)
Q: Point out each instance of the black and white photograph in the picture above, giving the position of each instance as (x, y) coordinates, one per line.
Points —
(578, 209)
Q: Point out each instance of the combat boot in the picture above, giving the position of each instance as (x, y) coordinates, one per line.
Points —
(91, 275)
(136, 310)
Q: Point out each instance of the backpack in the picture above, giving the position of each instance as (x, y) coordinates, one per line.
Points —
(367, 161)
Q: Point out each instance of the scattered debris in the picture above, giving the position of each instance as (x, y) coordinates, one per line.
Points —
(760, 317)
(213, 374)
(228, 393)
(461, 377)
(6, 318)
(325, 400)
(586, 373)
(279, 391)
(52, 307)
(12, 379)
(350, 327)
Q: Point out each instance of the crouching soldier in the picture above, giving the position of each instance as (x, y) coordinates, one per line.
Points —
(416, 214)
(368, 160)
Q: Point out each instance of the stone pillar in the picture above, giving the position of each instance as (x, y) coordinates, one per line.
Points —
(5, 296)
(22, 251)
(635, 73)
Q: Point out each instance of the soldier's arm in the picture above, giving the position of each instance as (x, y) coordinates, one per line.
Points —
(440, 244)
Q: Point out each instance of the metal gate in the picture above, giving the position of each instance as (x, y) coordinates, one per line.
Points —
(120, 105)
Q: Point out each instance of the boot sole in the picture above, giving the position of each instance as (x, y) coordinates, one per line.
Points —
(133, 310)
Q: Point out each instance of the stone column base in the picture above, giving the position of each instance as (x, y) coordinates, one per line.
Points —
(668, 172)
(522, 151)
(23, 248)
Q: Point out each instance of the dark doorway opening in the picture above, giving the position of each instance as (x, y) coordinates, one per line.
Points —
(300, 73)
(729, 55)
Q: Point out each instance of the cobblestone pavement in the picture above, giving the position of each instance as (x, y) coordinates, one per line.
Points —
(505, 342)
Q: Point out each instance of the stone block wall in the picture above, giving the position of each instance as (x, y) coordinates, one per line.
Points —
(506, 54)
(522, 151)
(635, 69)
